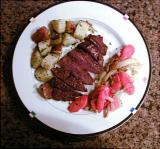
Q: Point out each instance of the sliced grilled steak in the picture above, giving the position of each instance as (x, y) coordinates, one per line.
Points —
(82, 62)
(92, 50)
(98, 42)
(58, 94)
(57, 83)
(45, 90)
(67, 63)
(69, 79)
(90, 60)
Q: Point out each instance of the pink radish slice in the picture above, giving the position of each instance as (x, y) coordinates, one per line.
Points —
(116, 102)
(126, 52)
(124, 78)
(114, 105)
(101, 101)
(116, 83)
(126, 82)
(129, 88)
(103, 92)
(78, 104)
(106, 103)
(94, 105)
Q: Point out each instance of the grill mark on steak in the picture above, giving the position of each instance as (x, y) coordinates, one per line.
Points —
(69, 79)
(98, 42)
(82, 62)
(67, 63)
(90, 60)
(92, 50)
(58, 94)
(57, 83)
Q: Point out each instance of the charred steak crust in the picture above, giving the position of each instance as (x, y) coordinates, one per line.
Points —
(98, 42)
(67, 64)
(57, 83)
(89, 47)
(58, 94)
(81, 61)
(69, 79)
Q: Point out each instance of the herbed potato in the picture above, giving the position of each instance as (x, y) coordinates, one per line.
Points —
(57, 40)
(81, 30)
(49, 61)
(68, 39)
(44, 47)
(59, 25)
(70, 26)
(36, 59)
(43, 74)
(46, 51)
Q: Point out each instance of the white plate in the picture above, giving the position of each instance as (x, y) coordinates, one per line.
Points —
(115, 29)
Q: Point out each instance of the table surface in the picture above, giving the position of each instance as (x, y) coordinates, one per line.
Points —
(19, 130)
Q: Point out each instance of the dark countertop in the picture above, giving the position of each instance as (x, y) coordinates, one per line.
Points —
(18, 130)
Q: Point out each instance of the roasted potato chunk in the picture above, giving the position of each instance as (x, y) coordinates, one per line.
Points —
(36, 59)
(59, 25)
(68, 39)
(81, 30)
(70, 26)
(49, 61)
(43, 74)
(57, 40)
(42, 34)
(44, 47)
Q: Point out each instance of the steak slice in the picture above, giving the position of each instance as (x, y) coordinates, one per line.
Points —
(67, 63)
(92, 50)
(90, 60)
(67, 77)
(98, 42)
(82, 62)
(57, 83)
(58, 94)
(45, 90)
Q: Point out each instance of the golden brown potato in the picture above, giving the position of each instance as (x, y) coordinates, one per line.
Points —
(49, 61)
(43, 75)
(59, 25)
(36, 59)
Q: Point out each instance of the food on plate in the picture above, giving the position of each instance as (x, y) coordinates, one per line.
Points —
(66, 75)
(43, 74)
(70, 26)
(49, 61)
(97, 40)
(42, 34)
(68, 39)
(121, 61)
(81, 30)
(85, 61)
(36, 59)
(57, 49)
(67, 64)
(44, 47)
(59, 25)
(73, 74)
(89, 47)
(56, 39)
(58, 94)
(46, 90)
(78, 103)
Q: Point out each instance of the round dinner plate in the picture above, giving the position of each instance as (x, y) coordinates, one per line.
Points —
(116, 31)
